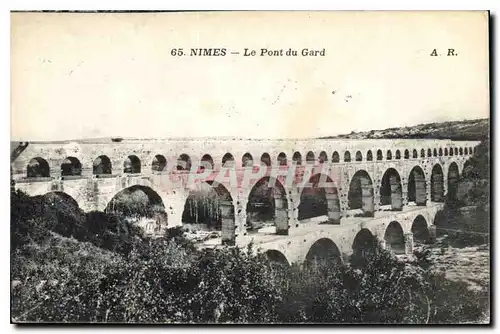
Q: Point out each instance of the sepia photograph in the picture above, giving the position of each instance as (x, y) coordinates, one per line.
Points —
(250, 167)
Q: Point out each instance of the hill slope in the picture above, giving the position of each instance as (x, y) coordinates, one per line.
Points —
(477, 129)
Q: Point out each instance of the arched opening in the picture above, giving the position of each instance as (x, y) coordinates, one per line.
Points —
(265, 159)
(71, 166)
(297, 158)
(282, 159)
(394, 238)
(38, 167)
(335, 157)
(369, 156)
(101, 165)
(184, 162)
(380, 155)
(417, 191)
(364, 243)
(61, 200)
(407, 154)
(437, 186)
(347, 156)
(453, 178)
(415, 154)
(320, 200)
(429, 152)
(419, 230)
(323, 252)
(247, 160)
(465, 151)
(132, 165)
(359, 156)
(206, 162)
(434, 152)
(470, 150)
(389, 155)
(267, 206)
(310, 157)
(210, 207)
(451, 152)
(456, 150)
(360, 195)
(140, 204)
(461, 151)
(323, 157)
(446, 151)
(228, 160)
(442, 223)
(159, 163)
(422, 153)
(440, 152)
(398, 154)
(277, 259)
(391, 190)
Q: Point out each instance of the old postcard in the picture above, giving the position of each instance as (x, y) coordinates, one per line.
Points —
(250, 167)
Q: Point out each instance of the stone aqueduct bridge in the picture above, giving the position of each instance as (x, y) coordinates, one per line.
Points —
(377, 188)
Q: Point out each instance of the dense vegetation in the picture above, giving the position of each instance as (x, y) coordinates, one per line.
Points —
(70, 266)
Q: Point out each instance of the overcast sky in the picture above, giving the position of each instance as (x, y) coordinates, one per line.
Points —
(99, 75)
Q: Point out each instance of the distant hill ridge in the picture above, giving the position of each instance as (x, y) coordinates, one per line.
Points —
(477, 129)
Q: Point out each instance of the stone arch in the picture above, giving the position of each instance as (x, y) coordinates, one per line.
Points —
(276, 258)
(364, 242)
(415, 154)
(369, 156)
(422, 153)
(420, 230)
(391, 190)
(282, 159)
(440, 152)
(470, 150)
(265, 158)
(228, 160)
(132, 165)
(319, 199)
(437, 184)
(429, 153)
(71, 166)
(138, 201)
(451, 151)
(210, 207)
(446, 151)
(206, 162)
(441, 223)
(323, 157)
(359, 156)
(394, 238)
(310, 159)
(407, 154)
(461, 151)
(453, 178)
(360, 195)
(323, 250)
(183, 162)
(297, 158)
(159, 163)
(347, 156)
(335, 157)
(388, 155)
(434, 152)
(247, 160)
(398, 154)
(417, 191)
(380, 155)
(38, 167)
(61, 200)
(456, 150)
(267, 204)
(101, 165)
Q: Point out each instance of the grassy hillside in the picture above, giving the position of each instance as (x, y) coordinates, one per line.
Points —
(477, 129)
